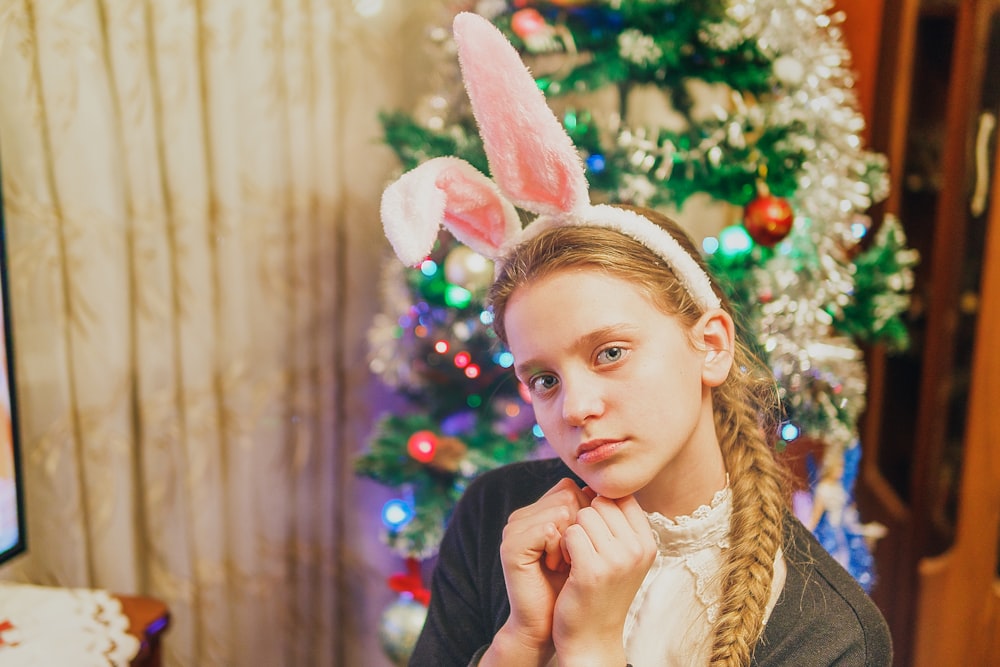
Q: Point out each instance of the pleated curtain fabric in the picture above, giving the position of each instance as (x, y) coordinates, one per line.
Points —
(191, 192)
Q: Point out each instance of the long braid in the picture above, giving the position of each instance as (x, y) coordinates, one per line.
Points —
(755, 526)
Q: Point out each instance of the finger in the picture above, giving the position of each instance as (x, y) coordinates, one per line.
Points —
(578, 546)
(567, 491)
(613, 516)
(596, 527)
(530, 527)
(615, 534)
(553, 558)
(538, 528)
(635, 516)
(563, 494)
(535, 533)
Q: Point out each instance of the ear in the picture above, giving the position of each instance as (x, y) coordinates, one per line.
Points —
(448, 192)
(718, 338)
(531, 157)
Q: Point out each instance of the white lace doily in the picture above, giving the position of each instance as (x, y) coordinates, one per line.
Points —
(62, 626)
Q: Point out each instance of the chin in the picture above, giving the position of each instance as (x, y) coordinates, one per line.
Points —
(612, 489)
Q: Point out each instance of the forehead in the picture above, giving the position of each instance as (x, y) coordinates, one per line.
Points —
(572, 302)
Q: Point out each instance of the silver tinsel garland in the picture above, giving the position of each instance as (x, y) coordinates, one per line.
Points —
(811, 276)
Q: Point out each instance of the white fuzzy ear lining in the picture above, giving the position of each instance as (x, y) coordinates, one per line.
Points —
(449, 192)
(534, 162)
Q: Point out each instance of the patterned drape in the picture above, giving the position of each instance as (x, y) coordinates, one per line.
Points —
(190, 192)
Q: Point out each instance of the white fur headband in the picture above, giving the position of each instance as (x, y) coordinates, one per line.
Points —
(534, 165)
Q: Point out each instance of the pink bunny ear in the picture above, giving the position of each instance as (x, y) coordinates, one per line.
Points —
(451, 192)
(531, 157)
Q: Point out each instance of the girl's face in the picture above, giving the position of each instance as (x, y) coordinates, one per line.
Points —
(622, 390)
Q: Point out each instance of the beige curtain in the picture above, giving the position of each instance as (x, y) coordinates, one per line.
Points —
(190, 192)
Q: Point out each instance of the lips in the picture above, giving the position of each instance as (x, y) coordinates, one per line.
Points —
(595, 451)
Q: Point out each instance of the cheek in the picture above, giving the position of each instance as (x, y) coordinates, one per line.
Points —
(549, 418)
(547, 415)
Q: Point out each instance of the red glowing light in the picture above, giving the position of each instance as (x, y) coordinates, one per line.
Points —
(527, 22)
(472, 371)
(462, 359)
(441, 346)
(422, 445)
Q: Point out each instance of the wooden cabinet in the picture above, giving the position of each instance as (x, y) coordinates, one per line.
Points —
(148, 619)
(932, 471)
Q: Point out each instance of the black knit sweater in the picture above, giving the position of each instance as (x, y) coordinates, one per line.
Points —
(822, 617)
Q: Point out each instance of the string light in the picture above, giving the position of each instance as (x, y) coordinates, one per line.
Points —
(462, 359)
(441, 347)
(596, 163)
(504, 359)
(735, 241)
(457, 297)
(472, 371)
(428, 267)
(422, 445)
(789, 432)
(396, 513)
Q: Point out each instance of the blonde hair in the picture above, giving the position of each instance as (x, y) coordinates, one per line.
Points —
(745, 409)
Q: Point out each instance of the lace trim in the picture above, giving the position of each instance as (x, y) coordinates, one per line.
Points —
(699, 514)
(705, 565)
(699, 540)
(706, 526)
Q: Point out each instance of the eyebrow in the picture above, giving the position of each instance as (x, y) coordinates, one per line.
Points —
(588, 339)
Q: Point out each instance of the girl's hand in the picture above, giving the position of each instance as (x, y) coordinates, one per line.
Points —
(611, 547)
(535, 569)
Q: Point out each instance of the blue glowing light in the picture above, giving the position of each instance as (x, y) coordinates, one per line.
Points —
(396, 513)
(734, 241)
(790, 431)
(505, 359)
(859, 230)
(710, 244)
(486, 317)
(596, 163)
(428, 267)
(537, 430)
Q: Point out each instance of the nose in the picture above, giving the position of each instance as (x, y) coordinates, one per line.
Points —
(581, 401)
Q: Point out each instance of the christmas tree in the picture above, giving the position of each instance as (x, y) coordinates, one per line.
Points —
(737, 118)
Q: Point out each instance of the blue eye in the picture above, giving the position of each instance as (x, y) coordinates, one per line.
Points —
(541, 384)
(610, 355)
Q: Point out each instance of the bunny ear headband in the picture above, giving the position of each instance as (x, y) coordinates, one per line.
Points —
(534, 165)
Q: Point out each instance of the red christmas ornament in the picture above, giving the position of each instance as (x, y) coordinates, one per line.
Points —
(422, 446)
(527, 22)
(768, 219)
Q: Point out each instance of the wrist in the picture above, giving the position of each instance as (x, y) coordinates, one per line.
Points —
(592, 658)
(511, 647)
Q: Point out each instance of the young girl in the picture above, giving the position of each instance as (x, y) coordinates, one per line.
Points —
(661, 535)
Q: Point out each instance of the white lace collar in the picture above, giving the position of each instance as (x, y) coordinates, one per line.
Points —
(706, 526)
